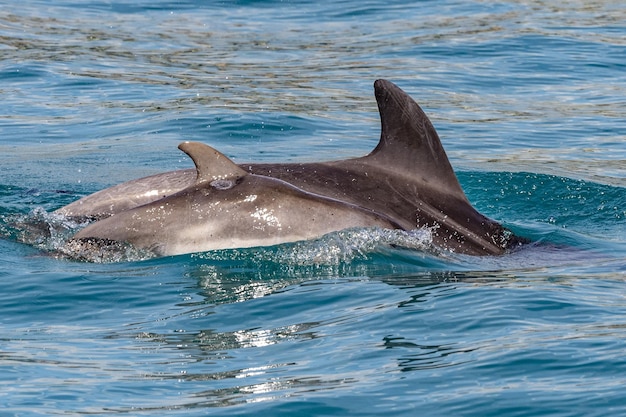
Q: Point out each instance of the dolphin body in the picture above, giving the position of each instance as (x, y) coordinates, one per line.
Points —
(406, 182)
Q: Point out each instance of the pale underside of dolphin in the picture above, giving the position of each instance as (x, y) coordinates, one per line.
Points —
(406, 182)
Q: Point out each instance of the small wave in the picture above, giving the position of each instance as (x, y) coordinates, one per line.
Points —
(43, 230)
(353, 244)
(340, 247)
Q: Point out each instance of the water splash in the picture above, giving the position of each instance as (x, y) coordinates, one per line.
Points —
(341, 247)
(38, 228)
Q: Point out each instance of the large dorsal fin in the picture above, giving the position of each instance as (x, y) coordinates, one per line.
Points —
(211, 164)
(409, 143)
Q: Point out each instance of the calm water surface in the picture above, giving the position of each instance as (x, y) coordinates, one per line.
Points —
(529, 99)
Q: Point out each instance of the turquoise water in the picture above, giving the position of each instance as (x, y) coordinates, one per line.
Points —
(529, 99)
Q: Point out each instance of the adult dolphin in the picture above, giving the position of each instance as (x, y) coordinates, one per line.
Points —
(406, 182)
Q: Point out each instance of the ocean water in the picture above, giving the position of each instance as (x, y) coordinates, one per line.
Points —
(529, 99)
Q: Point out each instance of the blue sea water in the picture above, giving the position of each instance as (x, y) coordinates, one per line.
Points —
(529, 99)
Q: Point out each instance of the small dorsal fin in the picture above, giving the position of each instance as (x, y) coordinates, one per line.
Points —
(409, 143)
(211, 164)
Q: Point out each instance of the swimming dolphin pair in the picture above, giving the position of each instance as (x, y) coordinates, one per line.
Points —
(406, 182)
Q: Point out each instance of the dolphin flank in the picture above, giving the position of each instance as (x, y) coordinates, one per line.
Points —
(406, 182)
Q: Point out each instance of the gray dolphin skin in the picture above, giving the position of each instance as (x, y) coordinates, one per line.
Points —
(406, 183)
